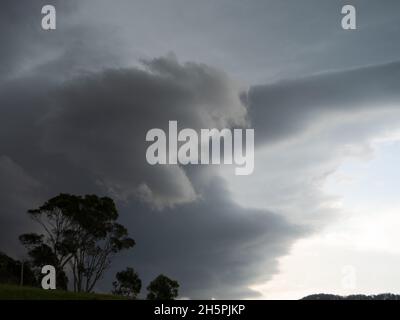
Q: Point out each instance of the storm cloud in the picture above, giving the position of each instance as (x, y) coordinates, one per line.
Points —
(76, 105)
(285, 108)
(87, 134)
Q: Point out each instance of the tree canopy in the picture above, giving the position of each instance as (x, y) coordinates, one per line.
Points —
(162, 288)
(79, 233)
(128, 283)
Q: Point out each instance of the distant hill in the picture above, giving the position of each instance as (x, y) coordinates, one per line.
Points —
(323, 296)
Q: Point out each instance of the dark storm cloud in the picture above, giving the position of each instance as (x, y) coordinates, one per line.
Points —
(96, 124)
(307, 128)
(16, 24)
(283, 109)
(88, 135)
(214, 247)
(64, 129)
(100, 122)
(73, 48)
(18, 190)
(23, 42)
(256, 40)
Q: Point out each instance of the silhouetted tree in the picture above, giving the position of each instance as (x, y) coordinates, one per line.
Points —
(128, 283)
(79, 232)
(163, 288)
(42, 254)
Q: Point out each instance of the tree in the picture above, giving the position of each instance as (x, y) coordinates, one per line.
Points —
(80, 233)
(163, 288)
(42, 254)
(128, 283)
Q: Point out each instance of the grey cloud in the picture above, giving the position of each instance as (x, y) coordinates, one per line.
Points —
(100, 121)
(215, 248)
(24, 43)
(68, 126)
(88, 135)
(306, 128)
(197, 243)
(73, 48)
(257, 40)
(290, 174)
(281, 110)
(18, 191)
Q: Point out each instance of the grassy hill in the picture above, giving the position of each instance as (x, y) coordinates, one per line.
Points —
(12, 292)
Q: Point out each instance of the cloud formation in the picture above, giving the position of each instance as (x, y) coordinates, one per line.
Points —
(285, 108)
(75, 111)
(306, 128)
(88, 135)
(99, 122)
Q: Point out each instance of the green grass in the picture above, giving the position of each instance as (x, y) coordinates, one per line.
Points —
(12, 292)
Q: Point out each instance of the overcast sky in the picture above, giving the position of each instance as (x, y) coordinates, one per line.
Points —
(76, 104)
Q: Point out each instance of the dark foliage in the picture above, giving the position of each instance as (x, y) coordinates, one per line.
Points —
(79, 233)
(163, 288)
(128, 283)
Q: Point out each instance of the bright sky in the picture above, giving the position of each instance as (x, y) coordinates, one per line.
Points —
(358, 253)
